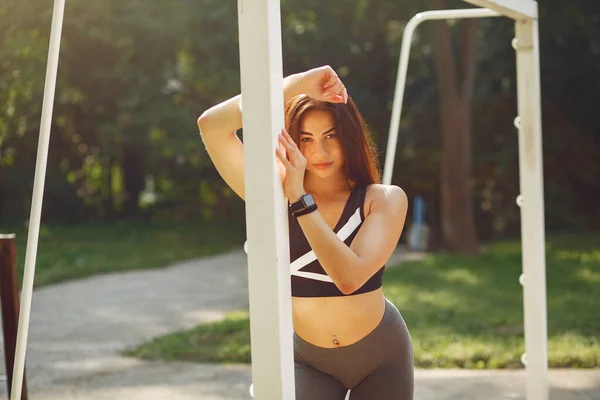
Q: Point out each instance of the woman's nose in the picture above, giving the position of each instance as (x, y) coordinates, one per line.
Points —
(321, 148)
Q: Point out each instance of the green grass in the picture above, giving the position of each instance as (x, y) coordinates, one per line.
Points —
(464, 312)
(227, 341)
(78, 251)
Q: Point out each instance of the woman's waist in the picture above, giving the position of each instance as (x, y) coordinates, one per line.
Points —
(337, 321)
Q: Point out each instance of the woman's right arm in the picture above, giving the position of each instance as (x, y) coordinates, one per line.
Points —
(218, 129)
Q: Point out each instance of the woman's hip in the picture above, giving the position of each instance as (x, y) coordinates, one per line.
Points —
(389, 343)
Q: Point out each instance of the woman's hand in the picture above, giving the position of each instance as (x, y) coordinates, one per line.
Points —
(295, 166)
(323, 84)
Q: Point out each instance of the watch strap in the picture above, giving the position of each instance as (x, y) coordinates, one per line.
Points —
(304, 205)
(304, 211)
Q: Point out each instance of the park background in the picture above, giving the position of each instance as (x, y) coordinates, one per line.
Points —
(130, 185)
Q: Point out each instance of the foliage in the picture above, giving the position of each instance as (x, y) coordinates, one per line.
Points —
(462, 312)
(135, 75)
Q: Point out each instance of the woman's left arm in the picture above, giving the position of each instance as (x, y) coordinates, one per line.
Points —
(351, 266)
(348, 267)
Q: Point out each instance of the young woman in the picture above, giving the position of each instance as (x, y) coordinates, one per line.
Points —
(344, 226)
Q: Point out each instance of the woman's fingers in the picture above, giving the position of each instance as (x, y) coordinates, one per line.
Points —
(336, 88)
(283, 158)
(325, 84)
(289, 139)
(331, 77)
(344, 96)
(336, 92)
(286, 144)
(292, 149)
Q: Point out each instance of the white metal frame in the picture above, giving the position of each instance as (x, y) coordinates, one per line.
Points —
(37, 198)
(531, 200)
(515, 9)
(266, 210)
(407, 39)
(268, 254)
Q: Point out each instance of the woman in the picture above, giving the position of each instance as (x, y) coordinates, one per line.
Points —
(344, 226)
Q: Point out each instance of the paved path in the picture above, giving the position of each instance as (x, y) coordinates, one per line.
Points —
(79, 328)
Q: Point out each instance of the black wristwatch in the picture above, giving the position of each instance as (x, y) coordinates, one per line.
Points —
(305, 205)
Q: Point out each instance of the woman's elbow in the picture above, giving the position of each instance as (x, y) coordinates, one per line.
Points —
(206, 126)
(348, 287)
(350, 280)
(202, 122)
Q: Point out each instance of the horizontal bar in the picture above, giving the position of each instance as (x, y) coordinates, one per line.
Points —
(452, 14)
(515, 9)
(411, 26)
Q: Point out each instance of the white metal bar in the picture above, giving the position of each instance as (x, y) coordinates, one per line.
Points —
(532, 208)
(403, 70)
(37, 198)
(515, 9)
(266, 209)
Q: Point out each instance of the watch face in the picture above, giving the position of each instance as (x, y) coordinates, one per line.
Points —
(308, 201)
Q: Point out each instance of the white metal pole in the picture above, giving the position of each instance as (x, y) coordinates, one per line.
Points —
(532, 208)
(266, 208)
(37, 198)
(403, 69)
(515, 9)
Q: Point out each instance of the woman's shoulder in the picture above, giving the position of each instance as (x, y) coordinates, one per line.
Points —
(380, 192)
(385, 197)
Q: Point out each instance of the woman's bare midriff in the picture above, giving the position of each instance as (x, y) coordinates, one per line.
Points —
(320, 320)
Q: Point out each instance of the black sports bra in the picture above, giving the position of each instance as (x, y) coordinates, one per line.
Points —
(309, 279)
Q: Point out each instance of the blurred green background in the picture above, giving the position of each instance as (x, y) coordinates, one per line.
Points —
(135, 75)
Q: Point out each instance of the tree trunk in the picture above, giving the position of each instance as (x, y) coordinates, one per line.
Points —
(456, 92)
(133, 179)
(109, 198)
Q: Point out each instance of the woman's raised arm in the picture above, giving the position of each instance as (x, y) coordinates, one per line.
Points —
(219, 124)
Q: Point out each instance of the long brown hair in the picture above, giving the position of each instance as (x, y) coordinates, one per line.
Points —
(361, 164)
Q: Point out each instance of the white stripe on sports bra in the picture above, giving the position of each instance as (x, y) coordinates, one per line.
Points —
(302, 261)
(313, 275)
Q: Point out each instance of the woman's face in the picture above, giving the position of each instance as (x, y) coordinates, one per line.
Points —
(320, 145)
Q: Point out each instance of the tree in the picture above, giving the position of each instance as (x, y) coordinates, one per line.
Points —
(456, 83)
(134, 75)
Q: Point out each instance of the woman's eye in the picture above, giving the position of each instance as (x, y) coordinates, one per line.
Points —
(331, 136)
(304, 140)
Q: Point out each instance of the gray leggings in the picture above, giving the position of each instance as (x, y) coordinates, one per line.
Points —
(379, 366)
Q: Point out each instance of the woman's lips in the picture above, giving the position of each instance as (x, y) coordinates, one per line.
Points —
(323, 165)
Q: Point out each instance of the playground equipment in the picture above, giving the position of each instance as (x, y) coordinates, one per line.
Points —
(267, 232)
(531, 199)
